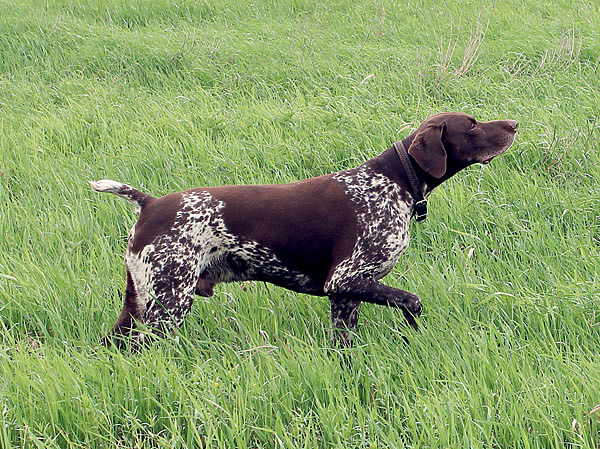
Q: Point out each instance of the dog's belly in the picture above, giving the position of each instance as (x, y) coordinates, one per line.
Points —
(231, 267)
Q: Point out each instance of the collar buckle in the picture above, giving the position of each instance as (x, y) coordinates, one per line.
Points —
(420, 210)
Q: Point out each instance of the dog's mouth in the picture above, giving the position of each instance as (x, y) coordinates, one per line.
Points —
(486, 159)
(505, 144)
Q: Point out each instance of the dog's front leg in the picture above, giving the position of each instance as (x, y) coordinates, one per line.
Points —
(369, 290)
(344, 316)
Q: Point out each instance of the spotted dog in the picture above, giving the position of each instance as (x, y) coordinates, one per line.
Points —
(335, 235)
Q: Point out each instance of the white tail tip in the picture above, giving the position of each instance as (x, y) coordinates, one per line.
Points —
(105, 185)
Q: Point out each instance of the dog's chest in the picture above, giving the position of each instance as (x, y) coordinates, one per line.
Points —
(383, 215)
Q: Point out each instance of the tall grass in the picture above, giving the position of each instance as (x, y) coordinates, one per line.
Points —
(169, 95)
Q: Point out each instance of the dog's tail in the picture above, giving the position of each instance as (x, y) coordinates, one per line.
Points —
(132, 195)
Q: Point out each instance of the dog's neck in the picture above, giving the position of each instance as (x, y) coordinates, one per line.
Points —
(388, 164)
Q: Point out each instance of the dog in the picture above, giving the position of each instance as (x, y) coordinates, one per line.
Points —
(335, 235)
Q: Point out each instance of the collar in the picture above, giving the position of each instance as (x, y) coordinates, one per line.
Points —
(420, 204)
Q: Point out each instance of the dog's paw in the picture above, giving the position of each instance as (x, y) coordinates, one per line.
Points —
(414, 305)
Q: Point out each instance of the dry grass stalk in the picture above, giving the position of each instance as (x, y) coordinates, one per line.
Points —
(565, 54)
(471, 53)
(472, 49)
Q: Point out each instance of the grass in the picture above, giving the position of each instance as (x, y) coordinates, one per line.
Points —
(169, 95)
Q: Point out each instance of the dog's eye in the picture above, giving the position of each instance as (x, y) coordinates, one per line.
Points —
(473, 125)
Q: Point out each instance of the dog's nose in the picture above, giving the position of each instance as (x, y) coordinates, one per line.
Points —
(513, 124)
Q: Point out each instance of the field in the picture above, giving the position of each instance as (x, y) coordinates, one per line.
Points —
(168, 95)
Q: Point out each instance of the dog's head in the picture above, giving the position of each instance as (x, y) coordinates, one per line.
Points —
(448, 142)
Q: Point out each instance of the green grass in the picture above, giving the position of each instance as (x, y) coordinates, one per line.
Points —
(167, 95)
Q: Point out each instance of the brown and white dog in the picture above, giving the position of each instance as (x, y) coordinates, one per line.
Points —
(334, 235)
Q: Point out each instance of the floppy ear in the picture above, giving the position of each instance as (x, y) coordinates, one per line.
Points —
(428, 150)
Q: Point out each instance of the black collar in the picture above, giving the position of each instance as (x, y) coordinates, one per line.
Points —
(420, 204)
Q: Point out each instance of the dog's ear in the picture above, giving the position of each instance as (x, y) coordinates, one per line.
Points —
(428, 150)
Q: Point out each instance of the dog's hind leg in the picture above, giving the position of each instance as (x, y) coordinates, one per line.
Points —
(126, 322)
(170, 294)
